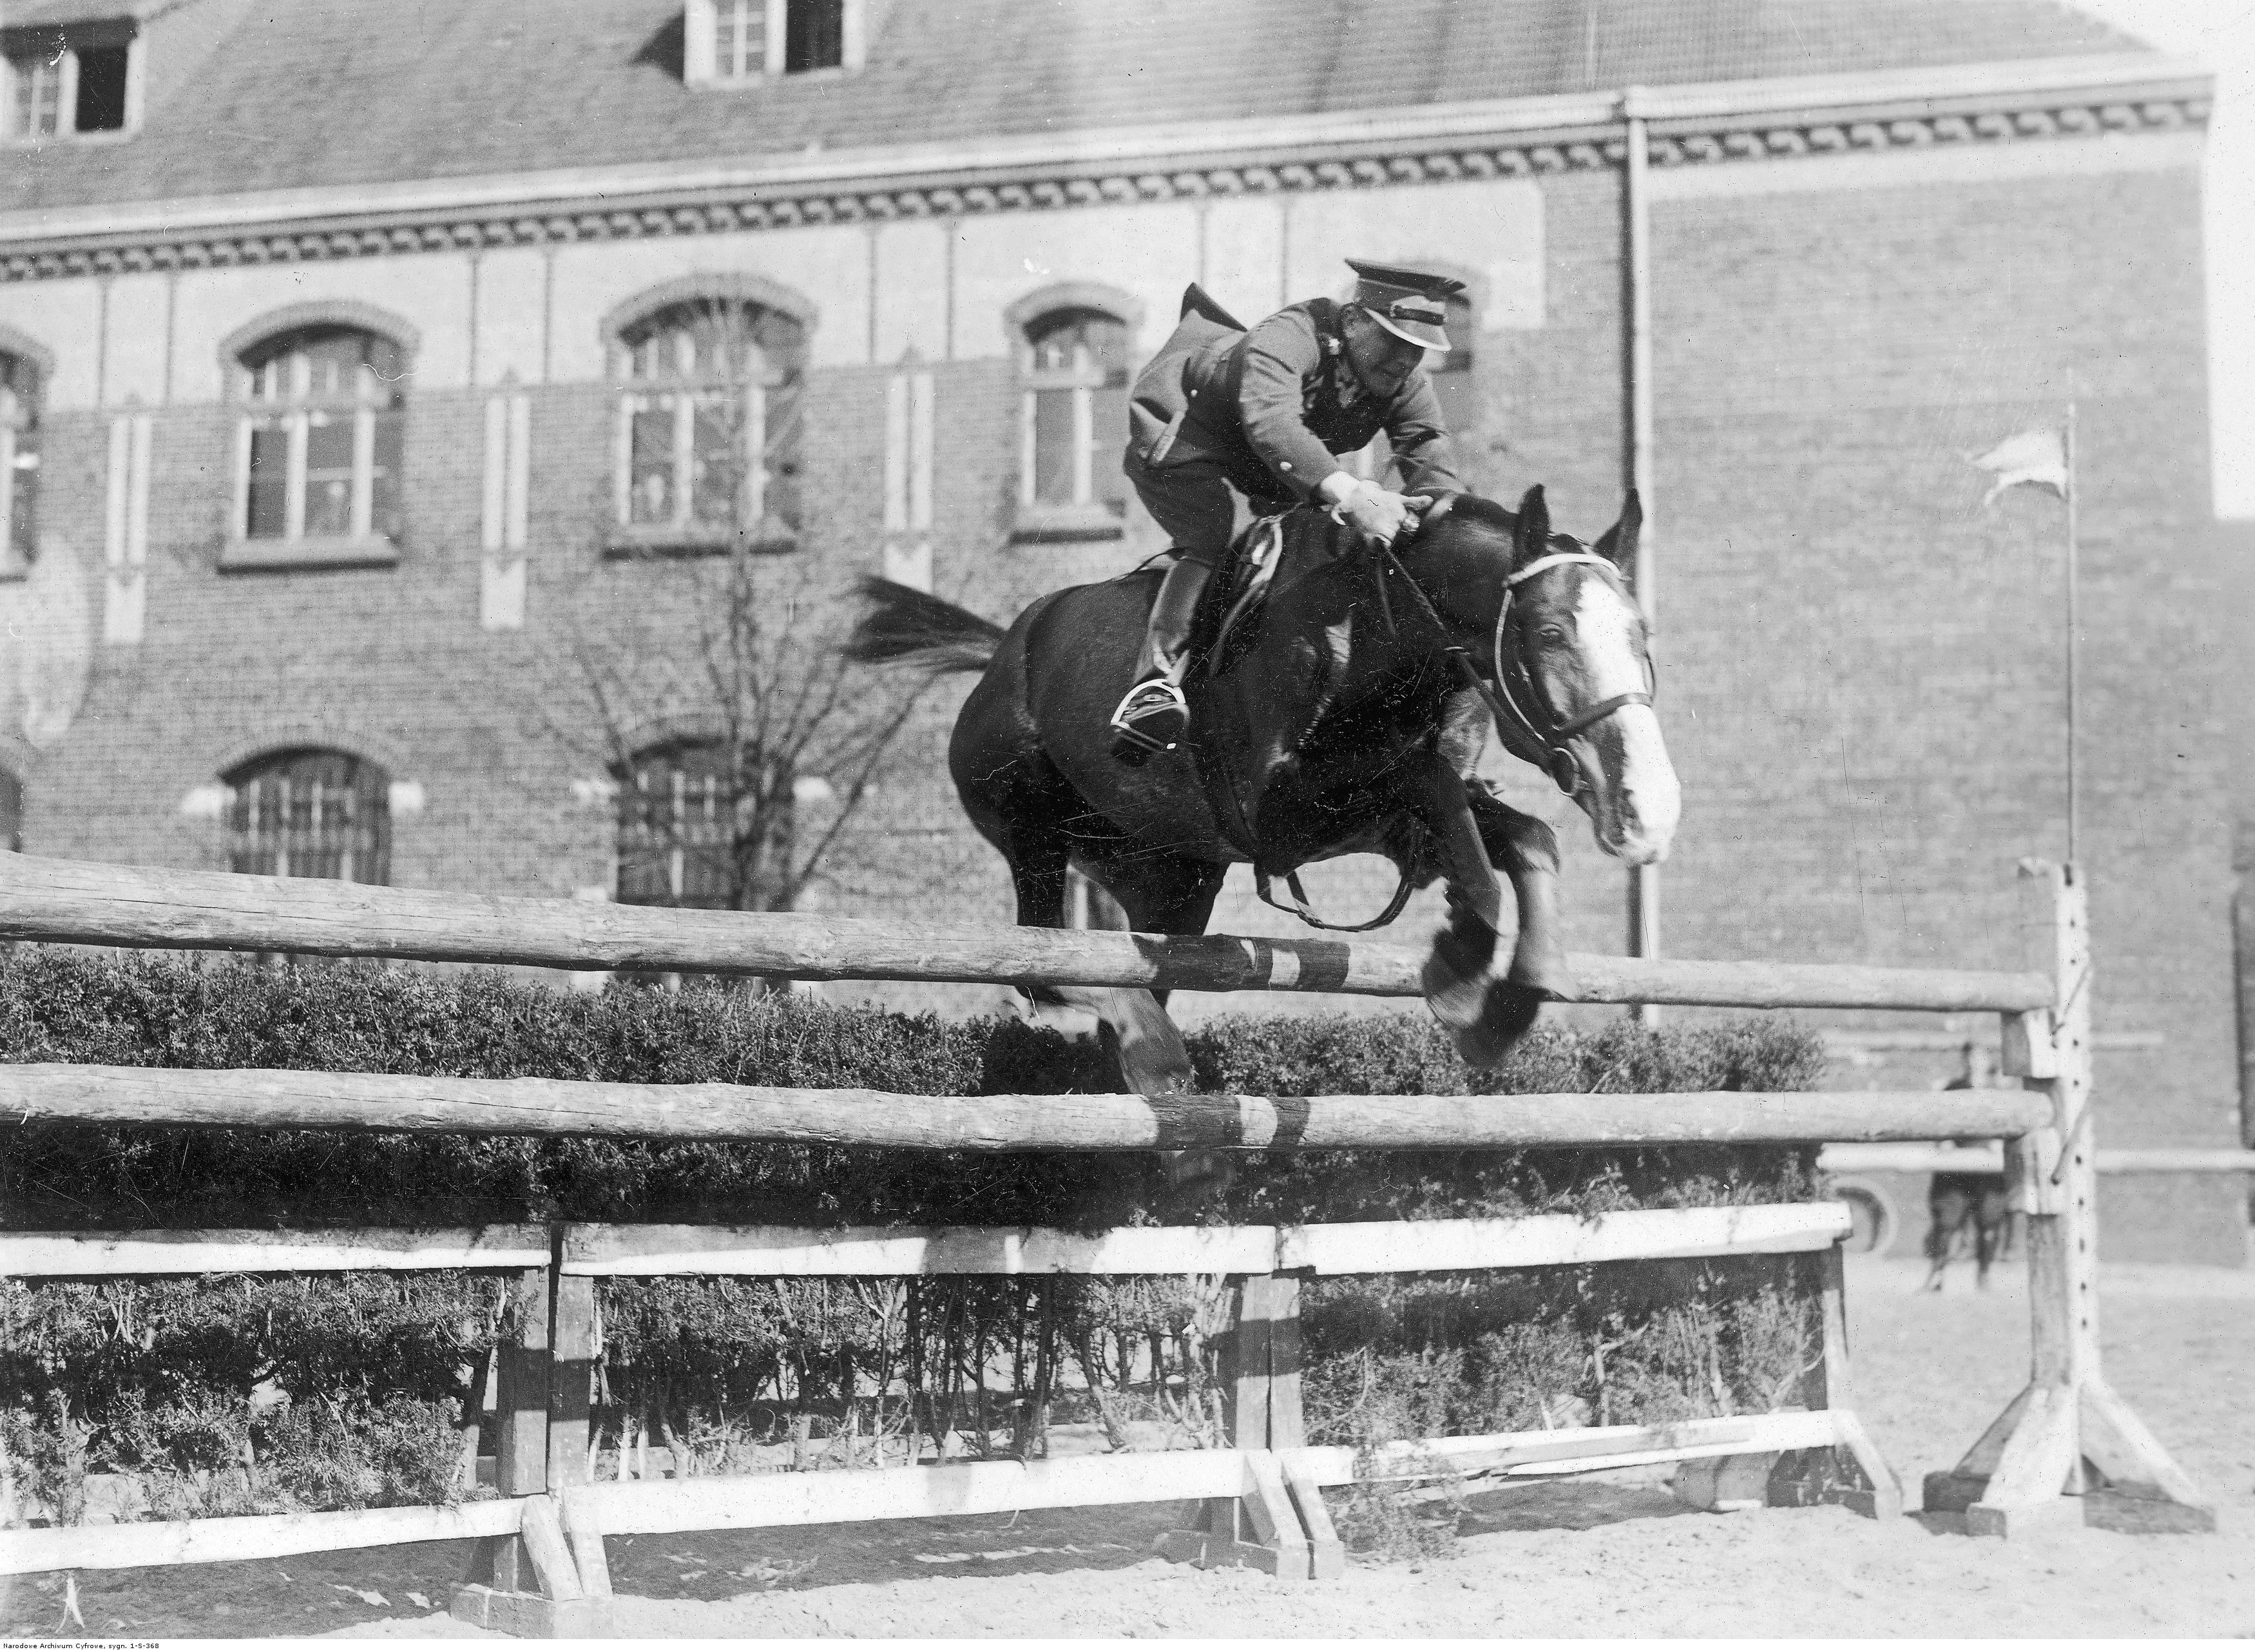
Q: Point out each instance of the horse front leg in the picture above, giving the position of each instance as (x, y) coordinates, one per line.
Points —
(1527, 849)
(1468, 978)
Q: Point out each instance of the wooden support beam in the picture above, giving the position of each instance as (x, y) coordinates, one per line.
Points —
(250, 1250)
(867, 1252)
(1552, 1241)
(33, 1091)
(106, 905)
(181, 1542)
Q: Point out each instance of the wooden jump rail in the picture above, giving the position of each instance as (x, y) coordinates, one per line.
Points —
(44, 900)
(2067, 1448)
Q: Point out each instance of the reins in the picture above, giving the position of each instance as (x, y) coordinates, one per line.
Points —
(1527, 740)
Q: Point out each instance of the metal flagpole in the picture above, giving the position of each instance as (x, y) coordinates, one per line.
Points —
(2074, 624)
(1643, 881)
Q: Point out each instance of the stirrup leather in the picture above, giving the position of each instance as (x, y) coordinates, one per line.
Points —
(1153, 717)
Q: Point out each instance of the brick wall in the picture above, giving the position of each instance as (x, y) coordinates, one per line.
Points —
(1861, 670)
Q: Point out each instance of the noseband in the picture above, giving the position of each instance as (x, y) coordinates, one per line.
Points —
(1544, 743)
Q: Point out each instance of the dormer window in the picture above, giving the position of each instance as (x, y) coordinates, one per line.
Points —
(744, 42)
(61, 82)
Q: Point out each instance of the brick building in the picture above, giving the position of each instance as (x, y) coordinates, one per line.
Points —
(360, 355)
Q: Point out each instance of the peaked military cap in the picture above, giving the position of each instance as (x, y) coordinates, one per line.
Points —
(1407, 303)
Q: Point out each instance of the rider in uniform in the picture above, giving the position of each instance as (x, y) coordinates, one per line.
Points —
(1263, 413)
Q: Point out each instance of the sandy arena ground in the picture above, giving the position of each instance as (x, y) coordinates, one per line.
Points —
(1566, 1558)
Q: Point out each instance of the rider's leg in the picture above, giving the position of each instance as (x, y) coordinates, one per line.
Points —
(1167, 635)
(1199, 511)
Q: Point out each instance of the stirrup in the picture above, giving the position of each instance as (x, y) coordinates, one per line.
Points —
(1153, 717)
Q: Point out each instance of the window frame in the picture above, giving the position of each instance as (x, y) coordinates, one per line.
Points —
(263, 402)
(1088, 514)
(61, 48)
(20, 457)
(679, 843)
(367, 781)
(709, 25)
(688, 386)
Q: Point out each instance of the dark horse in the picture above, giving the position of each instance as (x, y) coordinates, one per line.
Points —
(1344, 719)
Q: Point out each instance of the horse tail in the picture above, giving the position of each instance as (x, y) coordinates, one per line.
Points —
(907, 627)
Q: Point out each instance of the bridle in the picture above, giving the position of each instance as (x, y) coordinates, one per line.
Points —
(1513, 689)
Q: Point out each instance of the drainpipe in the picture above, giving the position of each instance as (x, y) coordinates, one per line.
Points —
(1643, 881)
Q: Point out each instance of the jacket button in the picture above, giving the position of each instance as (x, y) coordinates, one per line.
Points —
(1286, 464)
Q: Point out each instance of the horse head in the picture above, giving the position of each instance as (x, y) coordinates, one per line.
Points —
(1558, 641)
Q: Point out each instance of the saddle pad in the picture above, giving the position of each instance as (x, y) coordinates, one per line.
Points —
(1251, 571)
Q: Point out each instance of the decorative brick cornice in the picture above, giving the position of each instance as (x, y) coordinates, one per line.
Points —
(1677, 141)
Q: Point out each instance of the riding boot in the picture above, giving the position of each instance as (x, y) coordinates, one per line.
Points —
(1153, 716)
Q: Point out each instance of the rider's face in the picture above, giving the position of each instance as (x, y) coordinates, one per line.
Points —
(1381, 359)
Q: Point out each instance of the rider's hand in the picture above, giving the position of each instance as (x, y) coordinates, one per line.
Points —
(1379, 515)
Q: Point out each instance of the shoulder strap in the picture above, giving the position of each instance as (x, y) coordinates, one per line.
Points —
(1325, 313)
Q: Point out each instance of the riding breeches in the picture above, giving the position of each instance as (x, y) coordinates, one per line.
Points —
(1195, 506)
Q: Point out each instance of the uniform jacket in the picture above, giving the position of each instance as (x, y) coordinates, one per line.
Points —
(1271, 407)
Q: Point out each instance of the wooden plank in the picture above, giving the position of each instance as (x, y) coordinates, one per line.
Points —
(1326, 1552)
(270, 1099)
(571, 1357)
(1287, 1423)
(730, 1502)
(2117, 1438)
(1243, 1363)
(248, 1250)
(594, 1248)
(1478, 1454)
(542, 1532)
(1924, 1158)
(102, 904)
(1275, 1522)
(178, 1543)
(1545, 1241)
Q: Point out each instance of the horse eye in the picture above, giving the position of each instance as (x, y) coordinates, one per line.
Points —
(1551, 637)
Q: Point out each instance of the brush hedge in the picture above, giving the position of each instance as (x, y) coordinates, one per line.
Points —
(221, 1396)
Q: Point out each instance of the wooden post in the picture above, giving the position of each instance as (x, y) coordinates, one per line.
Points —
(1851, 1472)
(2067, 1449)
(528, 1585)
(1262, 1527)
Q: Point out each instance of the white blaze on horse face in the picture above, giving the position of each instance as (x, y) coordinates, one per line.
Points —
(1637, 803)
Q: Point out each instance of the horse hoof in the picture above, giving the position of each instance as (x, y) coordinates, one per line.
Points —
(1507, 1014)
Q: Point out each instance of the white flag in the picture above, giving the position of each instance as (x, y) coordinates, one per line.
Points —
(2038, 456)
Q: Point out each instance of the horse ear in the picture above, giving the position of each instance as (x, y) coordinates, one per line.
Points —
(1617, 544)
(1532, 538)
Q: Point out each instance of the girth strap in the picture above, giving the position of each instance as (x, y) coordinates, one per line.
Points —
(1300, 909)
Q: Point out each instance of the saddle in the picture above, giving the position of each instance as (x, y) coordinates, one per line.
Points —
(1257, 559)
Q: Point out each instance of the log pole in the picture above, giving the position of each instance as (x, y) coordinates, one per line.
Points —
(40, 1092)
(103, 905)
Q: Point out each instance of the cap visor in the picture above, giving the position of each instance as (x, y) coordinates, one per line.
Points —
(1431, 338)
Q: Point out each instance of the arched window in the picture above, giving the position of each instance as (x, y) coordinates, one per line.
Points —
(310, 812)
(675, 809)
(324, 415)
(11, 813)
(710, 423)
(1074, 422)
(19, 460)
